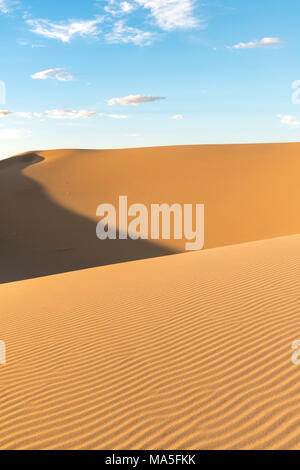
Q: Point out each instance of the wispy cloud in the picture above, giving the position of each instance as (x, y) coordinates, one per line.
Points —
(116, 8)
(168, 15)
(5, 112)
(69, 114)
(172, 14)
(264, 42)
(60, 114)
(121, 33)
(134, 100)
(118, 116)
(23, 43)
(58, 74)
(177, 117)
(4, 6)
(288, 120)
(114, 116)
(65, 31)
(126, 7)
(7, 5)
(22, 114)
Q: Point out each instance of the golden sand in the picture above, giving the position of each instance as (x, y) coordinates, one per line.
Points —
(188, 351)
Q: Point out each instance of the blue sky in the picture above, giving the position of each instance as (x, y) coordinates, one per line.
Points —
(115, 73)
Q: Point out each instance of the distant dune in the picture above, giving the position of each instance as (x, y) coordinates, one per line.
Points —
(48, 221)
(109, 349)
(184, 352)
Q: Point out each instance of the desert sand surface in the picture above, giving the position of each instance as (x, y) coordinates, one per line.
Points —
(191, 351)
(48, 220)
(129, 344)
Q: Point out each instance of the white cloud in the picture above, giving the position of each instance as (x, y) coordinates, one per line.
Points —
(119, 8)
(115, 116)
(126, 7)
(37, 46)
(265, 42)
(61, 114)
(5, 112)
(65, 31)
(58, 74)
(23, 115)
(134, 100)
(69, 114)
(4, 6)
(178, 116)
(122, 33)
(7, 134)
(289, 120)
(172, 14)
(168, 14)
(23, 43)
(118, 116)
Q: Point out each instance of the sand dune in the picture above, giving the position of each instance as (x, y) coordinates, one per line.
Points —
(250, 192)
(187, 351)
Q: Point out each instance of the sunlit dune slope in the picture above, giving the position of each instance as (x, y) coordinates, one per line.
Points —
(48, 219)
(251, 192)
(187, 351)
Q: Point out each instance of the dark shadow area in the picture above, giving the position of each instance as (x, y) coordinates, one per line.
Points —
(39, 237)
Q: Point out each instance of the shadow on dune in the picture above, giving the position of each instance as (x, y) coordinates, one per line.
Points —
(38, 237)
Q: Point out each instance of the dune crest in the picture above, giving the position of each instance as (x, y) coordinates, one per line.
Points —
(49, 218)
